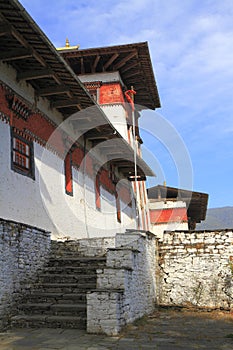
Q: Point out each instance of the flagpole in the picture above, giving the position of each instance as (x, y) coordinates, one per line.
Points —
(135, 153)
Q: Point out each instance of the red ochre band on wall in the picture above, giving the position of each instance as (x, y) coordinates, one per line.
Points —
(38, 128)
(111, 93)
(162, 216)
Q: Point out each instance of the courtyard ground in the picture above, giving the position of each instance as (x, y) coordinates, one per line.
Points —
(163, 330)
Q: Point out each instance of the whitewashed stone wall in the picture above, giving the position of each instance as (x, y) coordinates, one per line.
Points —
(23, 252)
(84, 247)
(196, 269)
(126, 288)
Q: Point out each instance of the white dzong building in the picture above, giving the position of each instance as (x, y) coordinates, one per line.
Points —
(67, 130)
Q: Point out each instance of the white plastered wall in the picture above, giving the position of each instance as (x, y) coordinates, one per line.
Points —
(117, 116)
(43, 202)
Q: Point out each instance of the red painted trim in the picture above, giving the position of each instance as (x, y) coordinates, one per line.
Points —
(38, 127)
(159, 216)
(68, 174)
(111, 93)
(97, 192)
(118, 208)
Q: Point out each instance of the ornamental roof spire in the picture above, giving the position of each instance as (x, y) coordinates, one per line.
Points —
(67, 46)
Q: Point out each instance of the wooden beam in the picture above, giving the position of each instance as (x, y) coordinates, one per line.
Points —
(126, 59)
(113, 148)
(132, 74)
(5, 29)
(25, 44)
(55, 90)
(125, 165)
(17, 54)
(93, 68)
(139, 177)
(35, 74)
(82, 66)
(111, 60)
(129, 66)
(99, 137)
(93, 134)
(68, 103)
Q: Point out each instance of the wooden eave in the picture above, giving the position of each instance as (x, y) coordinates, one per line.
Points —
(27, 49)
(132, 61)
(98, 130)
(196, 201)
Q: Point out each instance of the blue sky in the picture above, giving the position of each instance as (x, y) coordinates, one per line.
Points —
(191, 47)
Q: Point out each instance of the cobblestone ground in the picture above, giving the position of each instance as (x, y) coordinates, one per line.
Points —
(164, 330)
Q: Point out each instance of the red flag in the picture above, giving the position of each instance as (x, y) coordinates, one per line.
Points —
(129, 96)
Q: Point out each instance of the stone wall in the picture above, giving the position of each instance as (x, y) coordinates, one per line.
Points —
(126, 288)
(84, 247)
(196, 269)
(23, 252)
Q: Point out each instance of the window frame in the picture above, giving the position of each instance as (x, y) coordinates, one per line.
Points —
(68, 172)
(97, 192)
(16, 167)
(118, 208)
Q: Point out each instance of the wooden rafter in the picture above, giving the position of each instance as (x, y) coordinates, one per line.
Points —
(92, 134)
(16, 54)
(35, 74)
(5, 29)
(132, 74)
(126, 59)
(55, 90)
(129, 66)
(82, 66)
(111, 60)
(67, 103)
(93, 68)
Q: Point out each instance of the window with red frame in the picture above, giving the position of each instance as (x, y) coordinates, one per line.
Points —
(118, 208)
(22, 156)
(97, 192)
(68, 174)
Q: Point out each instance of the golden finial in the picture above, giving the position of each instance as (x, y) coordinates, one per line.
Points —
(67, 46)
(164, 183)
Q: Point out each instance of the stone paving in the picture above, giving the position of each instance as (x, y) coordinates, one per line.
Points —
(164, 330)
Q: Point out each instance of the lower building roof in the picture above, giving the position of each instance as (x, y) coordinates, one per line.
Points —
(196, 201)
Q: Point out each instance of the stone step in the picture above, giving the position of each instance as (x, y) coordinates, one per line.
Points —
(58, 298)
(53, 309)
(81, 261)
(67, 278)
(53, 297)
(64, 287)
(81, 270)
(48, 321)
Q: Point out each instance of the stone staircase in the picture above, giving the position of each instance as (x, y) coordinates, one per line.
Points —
(58, 296)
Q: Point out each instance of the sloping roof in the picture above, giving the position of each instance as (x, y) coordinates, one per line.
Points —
(29, 51)
(35, 59)
(196, 201)
(131, 60)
